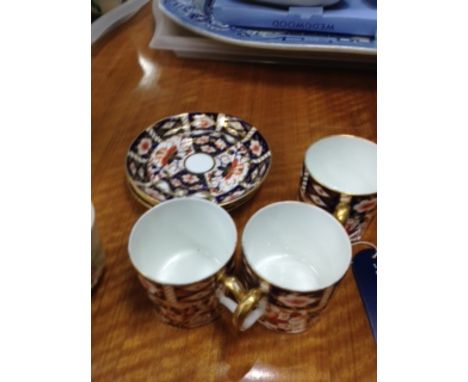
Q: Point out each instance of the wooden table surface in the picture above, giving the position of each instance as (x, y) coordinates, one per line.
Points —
(133, 86)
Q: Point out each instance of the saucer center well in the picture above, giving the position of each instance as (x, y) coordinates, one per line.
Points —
(199, 163)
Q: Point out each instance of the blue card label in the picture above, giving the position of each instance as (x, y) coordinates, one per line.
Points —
(365, 273)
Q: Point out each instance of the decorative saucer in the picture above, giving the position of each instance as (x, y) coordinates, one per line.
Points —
(209, 155)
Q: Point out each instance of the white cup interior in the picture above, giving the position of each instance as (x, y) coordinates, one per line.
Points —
(344, 163)
(296, 246)
(182, 241)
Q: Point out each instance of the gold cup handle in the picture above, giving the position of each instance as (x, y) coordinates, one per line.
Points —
(343, 208)
(248, 306)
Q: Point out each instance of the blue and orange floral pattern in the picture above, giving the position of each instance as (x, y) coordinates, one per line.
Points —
(155, 162)
(362, 208)
(184, 306)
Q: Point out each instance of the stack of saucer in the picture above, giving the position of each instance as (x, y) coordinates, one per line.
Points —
(209, 155)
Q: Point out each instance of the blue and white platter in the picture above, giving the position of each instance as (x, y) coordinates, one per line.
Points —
(195, 15)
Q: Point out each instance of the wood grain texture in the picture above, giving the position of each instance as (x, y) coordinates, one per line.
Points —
(133, 86)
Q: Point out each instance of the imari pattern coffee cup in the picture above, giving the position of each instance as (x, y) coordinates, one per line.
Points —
(294, 254)
(179, 249)
(340, 175)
